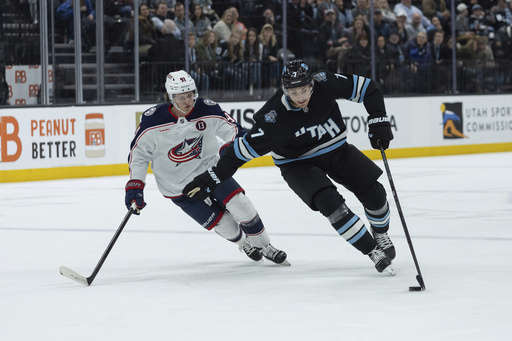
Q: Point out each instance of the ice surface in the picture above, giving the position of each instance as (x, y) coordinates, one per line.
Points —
(167, 279)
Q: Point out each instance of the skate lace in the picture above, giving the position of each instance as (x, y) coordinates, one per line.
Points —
(269, 251)
(383, 240)
(376, 255)
(248, 248)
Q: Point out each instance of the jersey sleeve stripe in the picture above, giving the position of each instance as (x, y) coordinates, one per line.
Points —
(359, 90)
(353, 88)
(366, 83)
(242, 150)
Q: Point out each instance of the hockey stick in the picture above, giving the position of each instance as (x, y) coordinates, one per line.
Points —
(66, 272)
(419, 277)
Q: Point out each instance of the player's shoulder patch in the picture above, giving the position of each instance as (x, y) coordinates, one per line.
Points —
(270, 117)
(320, 76)
(150, 111)
(209, 102)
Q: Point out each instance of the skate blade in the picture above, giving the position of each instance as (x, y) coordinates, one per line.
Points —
(390, 270)
(284, 263)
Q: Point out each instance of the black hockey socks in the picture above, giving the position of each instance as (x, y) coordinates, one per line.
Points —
(332, 205)
(379, 219)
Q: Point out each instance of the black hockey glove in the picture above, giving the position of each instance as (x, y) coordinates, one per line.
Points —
(135, 193)
(202, 185)
(379, 132)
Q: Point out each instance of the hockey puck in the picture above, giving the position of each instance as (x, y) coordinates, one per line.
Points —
(414, 288)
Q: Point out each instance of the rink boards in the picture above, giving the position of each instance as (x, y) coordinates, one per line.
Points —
(44, 143)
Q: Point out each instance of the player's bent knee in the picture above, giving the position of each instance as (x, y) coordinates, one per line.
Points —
(228, 228)
(327, 200)
(374, 197)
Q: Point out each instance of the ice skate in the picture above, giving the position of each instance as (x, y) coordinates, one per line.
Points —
(275, 255)
(251, 251)
(385, 243)
(382, 262)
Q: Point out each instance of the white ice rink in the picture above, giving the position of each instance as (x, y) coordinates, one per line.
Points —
(167, 279)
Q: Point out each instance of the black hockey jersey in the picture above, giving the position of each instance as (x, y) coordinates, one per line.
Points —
(292, 134)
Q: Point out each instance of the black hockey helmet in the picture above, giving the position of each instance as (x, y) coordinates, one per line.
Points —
(295, 74)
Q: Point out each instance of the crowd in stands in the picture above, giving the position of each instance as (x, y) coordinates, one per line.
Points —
(242, 40)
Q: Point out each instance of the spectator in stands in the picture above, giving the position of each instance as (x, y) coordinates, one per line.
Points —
(468, 51)
(168, 48)
(207, 55)
(170, 7)
(232, 56)
(436, 8)
(438, 50)
(500, 15)
(484, 50)
(398, 78)
(88, 17)
(502, 44)
(159, 18)
(253, 50)
(395, 47)
(401, 19)
(343, 16)
(333, 38)
(147, 31)
(381, 27)
(414, 27)
(462, 21)
(358, 28)
(118, 8)
(409, 9)
(200, 21)
(360, 56)
(179, 11)
(362, 9)
(435, 25)
(270, 62)
(237, 24)
(387, 14)
(224, 27)
(417, 51)
(384, 62)
(200, 77)
(479, 22)
(302, 29)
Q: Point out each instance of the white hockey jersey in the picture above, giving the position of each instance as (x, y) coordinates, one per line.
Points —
(180, 148)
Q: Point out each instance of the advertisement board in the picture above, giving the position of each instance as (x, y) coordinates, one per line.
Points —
(57, 142)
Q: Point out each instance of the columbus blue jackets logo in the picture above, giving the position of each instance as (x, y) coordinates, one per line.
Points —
(187, 150)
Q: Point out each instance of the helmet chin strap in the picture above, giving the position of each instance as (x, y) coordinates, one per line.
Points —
(176, 105)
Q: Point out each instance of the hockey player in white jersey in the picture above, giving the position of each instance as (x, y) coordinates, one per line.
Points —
(180, 140)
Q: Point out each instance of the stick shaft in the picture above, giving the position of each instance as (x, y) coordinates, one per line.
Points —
(419, 277)
(66, 272)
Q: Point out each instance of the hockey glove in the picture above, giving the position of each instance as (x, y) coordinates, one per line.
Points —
(379, 132)
(202, 185)
(135, 193)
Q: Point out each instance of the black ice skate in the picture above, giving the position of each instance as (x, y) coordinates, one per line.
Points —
(251, 251)
(275, 255)
(382, 262)
(385, 243)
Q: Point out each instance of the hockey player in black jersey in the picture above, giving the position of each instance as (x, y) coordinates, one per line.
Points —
(302, 127)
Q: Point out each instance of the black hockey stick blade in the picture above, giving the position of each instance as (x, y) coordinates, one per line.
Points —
(67, 272)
